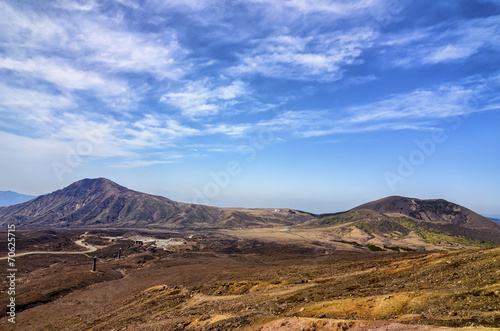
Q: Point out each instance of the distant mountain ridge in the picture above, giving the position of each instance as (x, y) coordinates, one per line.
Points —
(103, 203)
(9, 198)
(392, 221)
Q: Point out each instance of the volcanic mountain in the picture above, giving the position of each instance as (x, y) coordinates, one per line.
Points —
(103, 203)
(432, 222)
(392, 221)
(434, 210)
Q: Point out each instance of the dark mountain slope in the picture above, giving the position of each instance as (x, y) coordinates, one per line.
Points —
(432, 210)
(437, 222)
(103, 203)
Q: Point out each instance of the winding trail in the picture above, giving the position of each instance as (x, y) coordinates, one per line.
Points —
(90, 249)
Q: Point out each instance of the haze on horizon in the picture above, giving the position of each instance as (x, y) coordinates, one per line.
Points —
(312, 105)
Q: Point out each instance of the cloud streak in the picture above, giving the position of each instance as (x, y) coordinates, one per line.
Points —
(443, 43)
(305, 58)
(201, 98)
(63, 75)
(416, 110)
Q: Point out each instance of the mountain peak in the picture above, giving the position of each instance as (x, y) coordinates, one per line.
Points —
(95, 181)
(89, 186)
(429, 210)
(100, 202)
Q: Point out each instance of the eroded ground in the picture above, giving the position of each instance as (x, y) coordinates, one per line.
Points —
(225, 283)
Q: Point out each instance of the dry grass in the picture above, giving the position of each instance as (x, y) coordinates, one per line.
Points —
(272, 289)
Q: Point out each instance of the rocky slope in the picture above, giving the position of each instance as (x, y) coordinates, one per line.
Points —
(392, 222)
(413, 223)
(282, 290)
(433, 210)
(103, 203)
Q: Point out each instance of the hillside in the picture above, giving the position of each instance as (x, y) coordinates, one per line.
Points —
(399, 222)
(494, 219)
(392, 223)
(433, 210)
(264, 286)
(103, 203)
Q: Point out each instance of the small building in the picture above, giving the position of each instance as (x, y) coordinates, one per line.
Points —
(144, 241)
(163, 243)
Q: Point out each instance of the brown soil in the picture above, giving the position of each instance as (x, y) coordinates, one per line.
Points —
(228, 283)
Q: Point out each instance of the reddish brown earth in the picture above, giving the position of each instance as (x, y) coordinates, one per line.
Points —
(226, 283)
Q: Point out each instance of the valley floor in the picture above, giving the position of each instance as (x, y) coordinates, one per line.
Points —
(220, 282)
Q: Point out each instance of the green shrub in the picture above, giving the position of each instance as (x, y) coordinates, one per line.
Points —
(374, 248)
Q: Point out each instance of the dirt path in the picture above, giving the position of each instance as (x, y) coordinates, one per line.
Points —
(90, 249)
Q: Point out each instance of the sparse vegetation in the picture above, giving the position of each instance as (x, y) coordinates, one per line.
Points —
(374, 248)
(247, 268)
(341, 219)
(435, 238)
(262, 284)
(397, 249)
(381, 226)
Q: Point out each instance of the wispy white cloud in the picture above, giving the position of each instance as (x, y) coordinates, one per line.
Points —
(360, 80)
(99, 39)
(87, 5)
(338, 8)
(154, 132)
(139, 163)
(319, 57)
(444, 42)
(450, 53)
(164, 126)
(88, 65)
(294, 119)
(29, 110)
(29, 27)
(428, 104)
(193, 5)
(421, 109)
(230, 130)
(342, 129)
(65, 76)
(20, 98)
(125, 51)
(328, 6)
(202, 98)
(297, 122)
(77, 46)
(14, 145)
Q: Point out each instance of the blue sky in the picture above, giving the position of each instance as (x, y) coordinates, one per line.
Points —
(314, 105)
